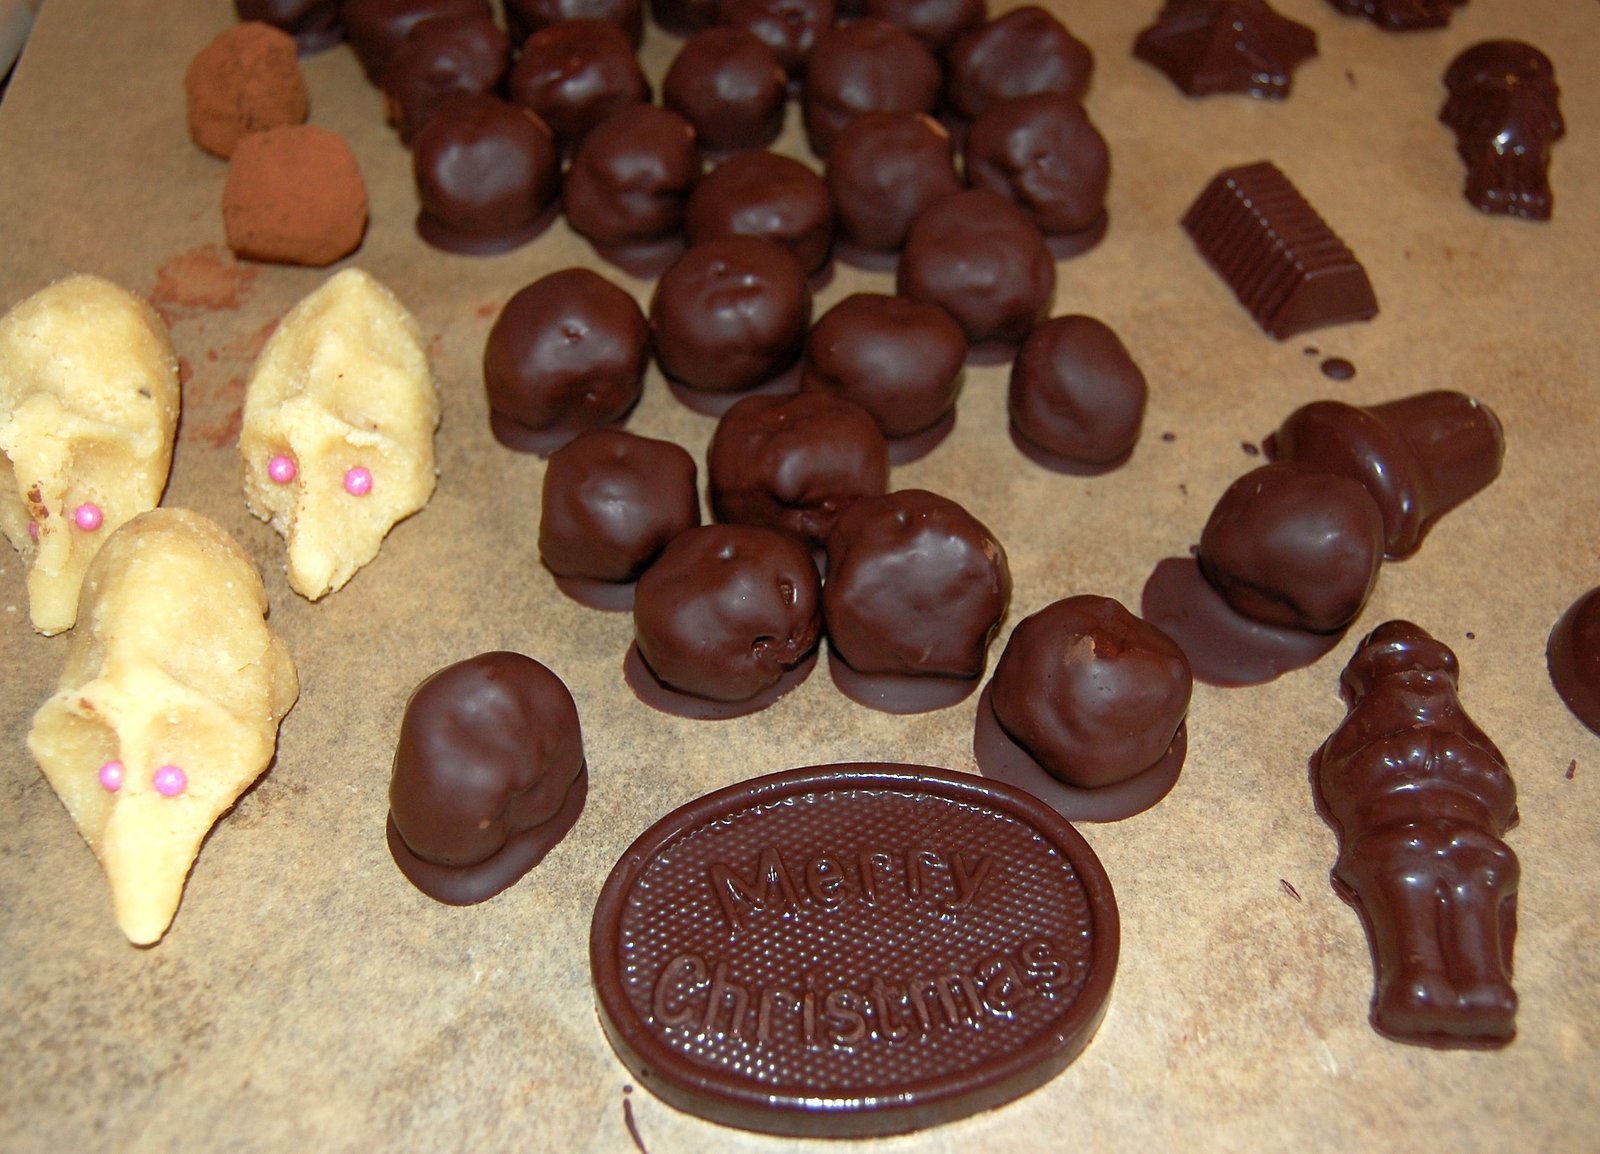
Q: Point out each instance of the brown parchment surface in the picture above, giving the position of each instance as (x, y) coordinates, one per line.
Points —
(307, 997)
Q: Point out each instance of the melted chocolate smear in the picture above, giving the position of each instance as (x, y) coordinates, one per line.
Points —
(1056, 463)
(591, 593)
(1572, 769)
(710, 403)
(1338, 369)
(902, 693)
(1223, 646)
(915, 446)
(1251, 449)
(1289, 889)
(627, 1120)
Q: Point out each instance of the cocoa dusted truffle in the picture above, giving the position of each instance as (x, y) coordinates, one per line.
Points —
(883, 170)
(730, 314)
(794, 463)
(567, 353)
(864, 66)
(789, 27)
(489, 775)
(525, 17)
(437, 59)
(729, 84)
(725, 621)
(1027, 50)
(1572, 655)
(375, 28)
(486, 172)
(1076, 396)
(1504, 108)
(900, 360)
(984, 261)
(631, 177)
(294, 195)
(767, 195)
(246, 80)
(1086, 710)
(1211, 46)
(1043, 152)
(313, 23)
(612, 501)
(934, 22)
(917, 588)
(576, 73)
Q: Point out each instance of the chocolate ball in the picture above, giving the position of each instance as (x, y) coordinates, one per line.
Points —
(567, 353)
(1025, 51)
(313, 23)
(1094, 694)
(730, 314)
(575, 73)
(864, 66)
(1075, 393)
(1043, 153)
(1572, 655)
(612, 500)
(437, 59)
(375, 28)
(789, 27)
(486, 173)
(984, 260)
(884, 168)
(525, 17)
(934, 22)
(1294, 547)
(899, 360)
(794, 463)
(489, 775)
(767, 195)
(726, 610)
(631, 176)
(728, 83)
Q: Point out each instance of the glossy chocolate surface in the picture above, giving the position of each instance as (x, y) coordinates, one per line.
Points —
(934, 22)
(1505, 110)
(726, 610)
(489, 775)
(730, 314)
(575, 73)
(729, 84)
(314, 24)
(631, 177)
(486, 173)
(1421, 799)
(982, 259)
(525, 17)
(865, 66)
(684, 17)
(764, 194)
(1418, 457)
(375, 28)
(884, 168)
(1572, 655)
(887, 982)
(568, 352)
(438, 59)
(1043, 152)
(1207, 47)
(794, 463)
(1024, 51)
(1401, 15)
(1075, 395)
(789, 27)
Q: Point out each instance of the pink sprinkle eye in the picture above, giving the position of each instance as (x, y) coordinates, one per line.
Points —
(33, 530)
(358, 481)
(88, 517)
(170, 781)
(111, 774)
(282, 469)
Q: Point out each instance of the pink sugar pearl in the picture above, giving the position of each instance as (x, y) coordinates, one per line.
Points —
(111, 774)
(282, 469)
(33, 530)
(170, 781)
(88, 517)
(358, 481)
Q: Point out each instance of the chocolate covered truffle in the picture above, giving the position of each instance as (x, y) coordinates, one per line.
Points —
(489, 775)
(883, 170)
(1572, 655)
(934, 22)
(437, 59)
(729, 615)
(794, 463)
(575, 73)
(313, 23)
(864, 66)
(983, 260)
(728, 83)
(1076, 396)
(375, 28)
(246, 80)
(486, 172)
(789, 27)
(917, 588)
(567, 353)
(631, 176)
(767, 195)
(730, 314)
(1211, 46)
(525, 17)
(1095, 699)
(612, 500)
(1504, 108)
(1042, 152)
(1027, 50)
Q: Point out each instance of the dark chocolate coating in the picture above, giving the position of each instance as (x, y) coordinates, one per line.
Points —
(726, 610)
(1026, 50)
(488, 765)
(1401, 15)
(612, 500)
(1572, 655)
(984, 260)
(525, 17)
(1093, 693)
(934, 22)
(375, 28)
(794, 463)
(1505, 110)
(916, 585)
(314, 24)
(1076, 393)
(1042, 152)
(437, 59)
(684, 17)
(729, 84)
(730, 314)
(630, 178)
(884, 168)
(789, 27)
(486, 170)
(864, 66)
(1294, 547)
(568, 352)
(767, 195)
(575, 73)
(1421, 799)
(1418, 457)
(1211, 46)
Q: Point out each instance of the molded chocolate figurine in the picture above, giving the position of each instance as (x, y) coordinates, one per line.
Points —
(1211, 46)
(1504, 109)
(1421, 799)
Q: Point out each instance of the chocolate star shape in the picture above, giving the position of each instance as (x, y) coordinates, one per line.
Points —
(1210, 46)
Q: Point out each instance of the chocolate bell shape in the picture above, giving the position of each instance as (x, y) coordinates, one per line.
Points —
(1418, 457)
